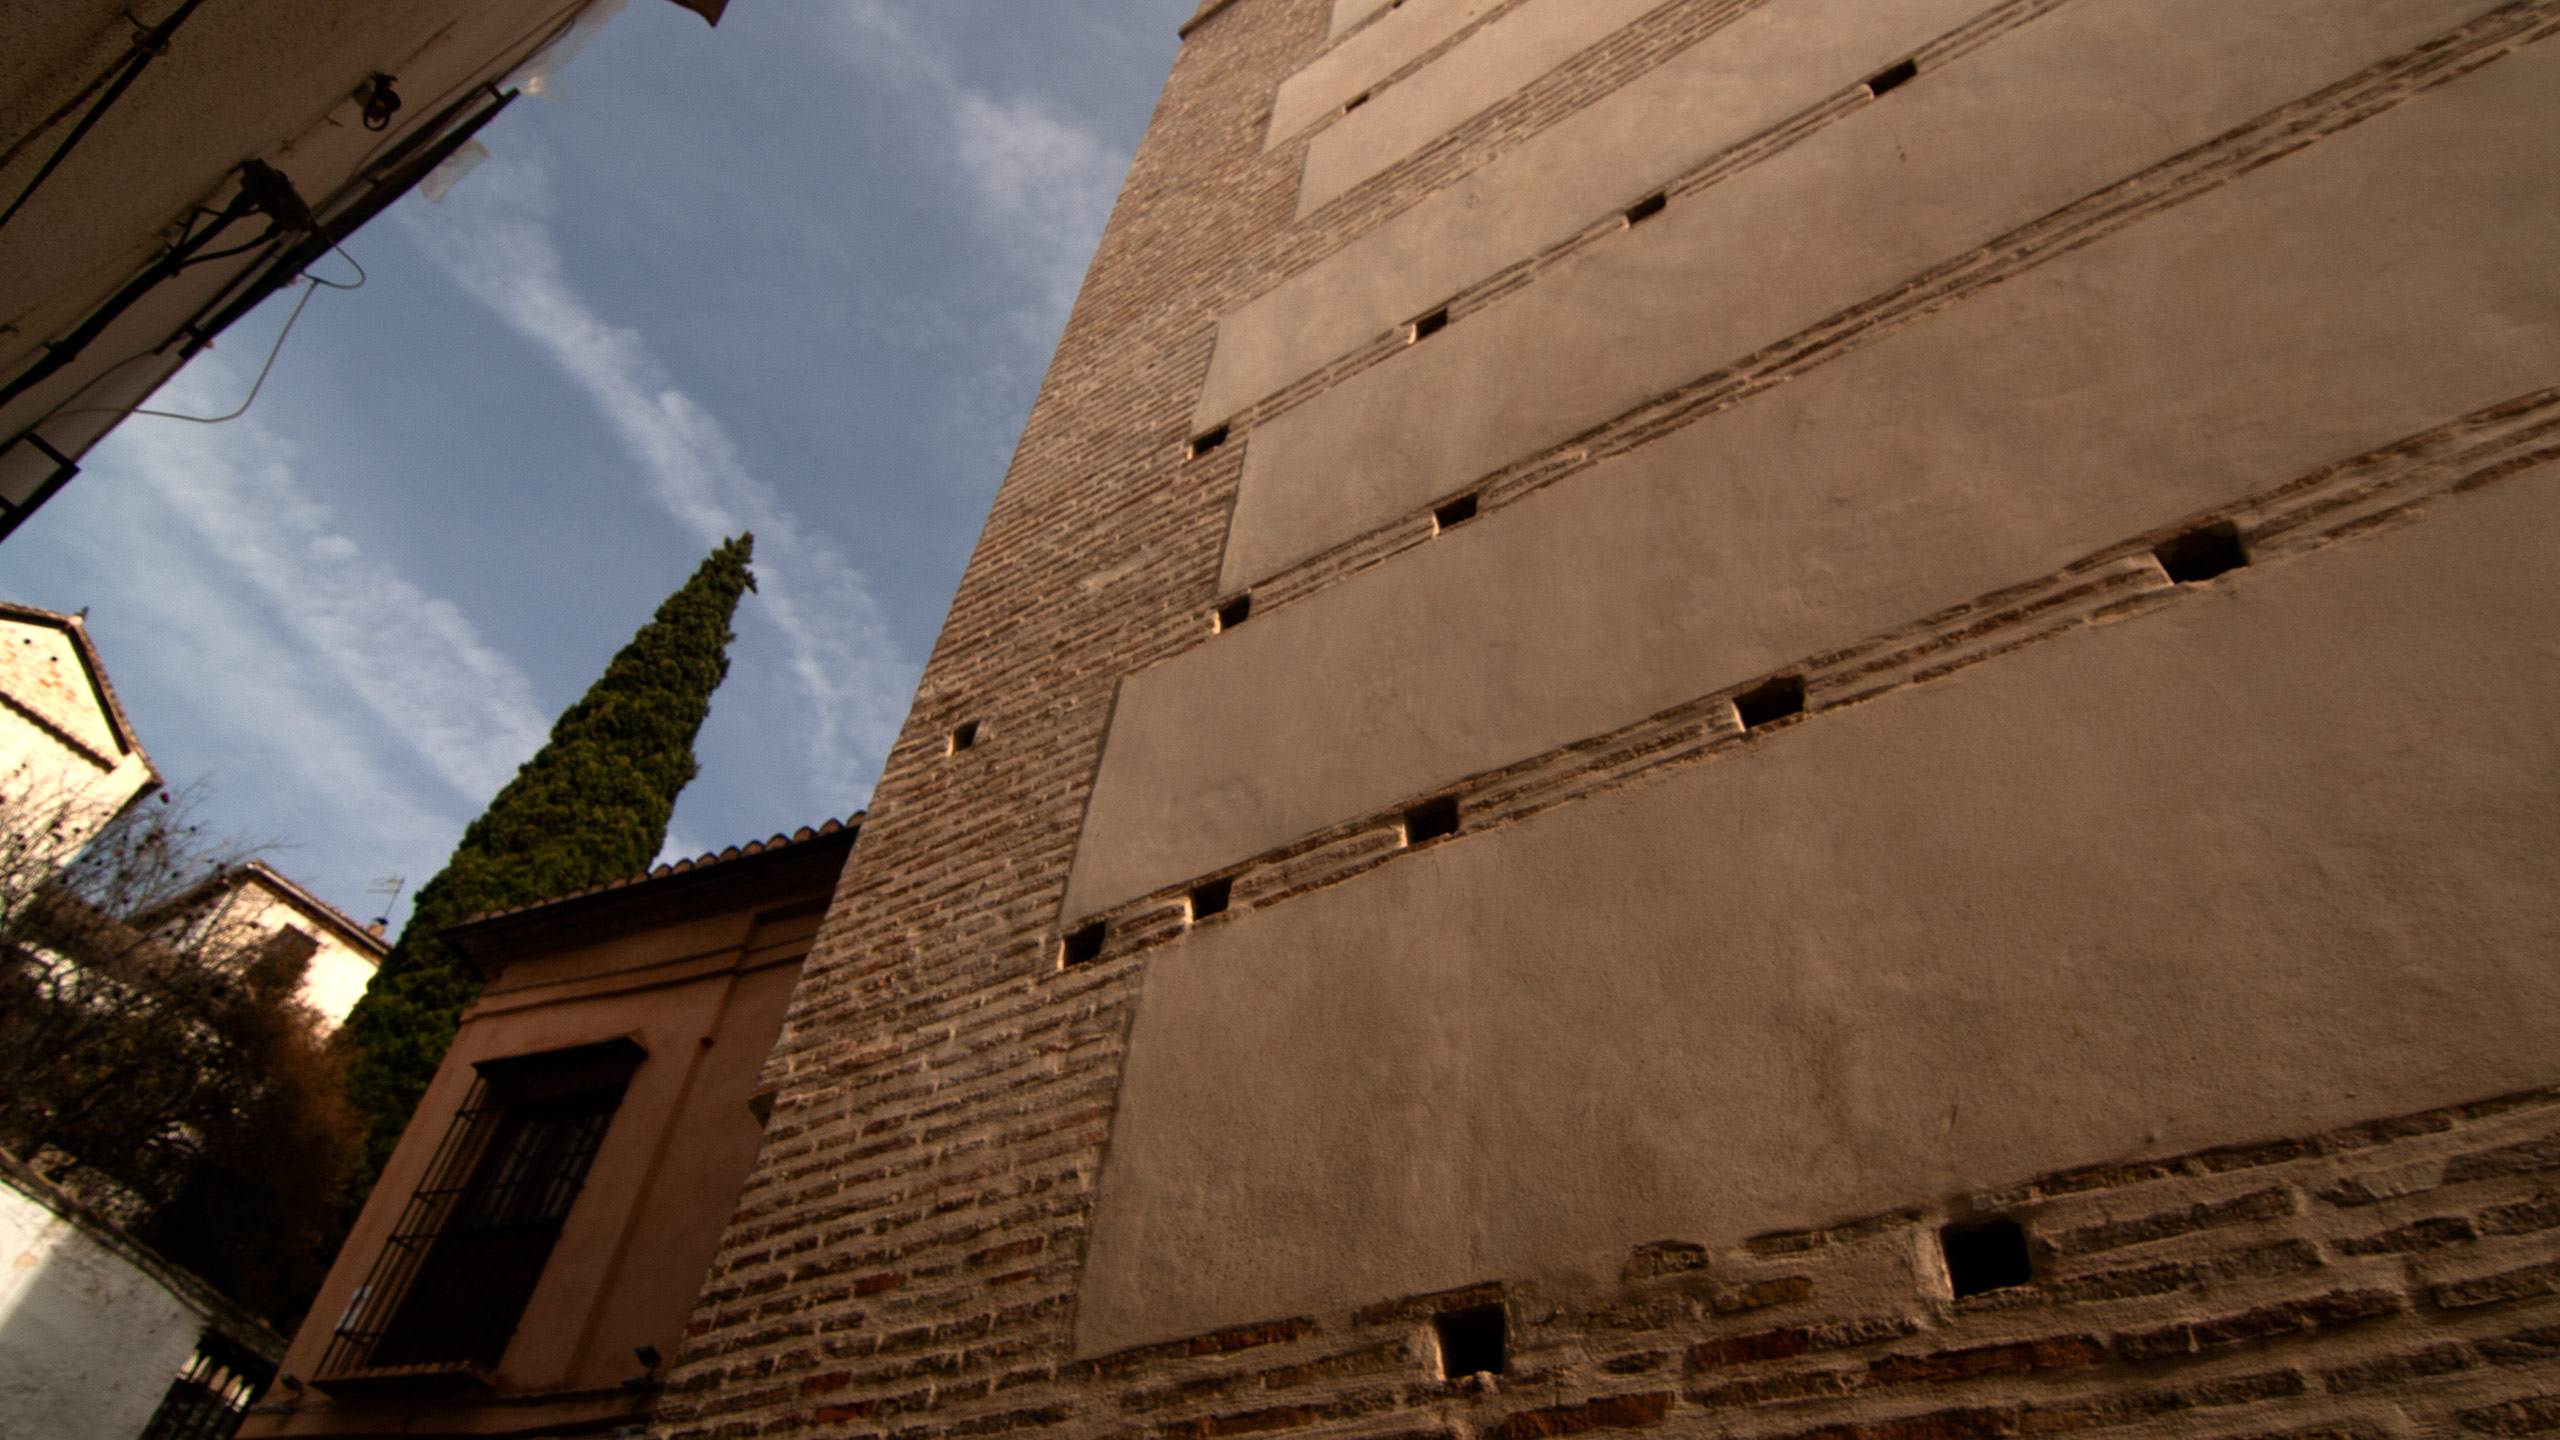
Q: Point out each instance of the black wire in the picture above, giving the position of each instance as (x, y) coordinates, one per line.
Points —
(59, 353)
(313, 287)
(267, 238)
(146, 48)
(309, 290)
(361, 277)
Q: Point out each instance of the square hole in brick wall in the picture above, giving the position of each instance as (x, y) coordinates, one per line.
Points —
(1235, 612)
(1646, 208)
(1893, 77)
(1210, 897)
(1771, 700)
(1985, 1255)
(1431, 324)
(1083, 945)
(1431, 819)
(2202, 553)
(1208, 440)
(964, 736)
(1456, 512)
(1472, 1341)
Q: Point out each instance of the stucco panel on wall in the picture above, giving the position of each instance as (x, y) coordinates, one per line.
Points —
(1347, 13)
(1739, 81)
(1488, 65)
(2220, 349)
(1334, 78)
(2062, 107)
(2271, 861)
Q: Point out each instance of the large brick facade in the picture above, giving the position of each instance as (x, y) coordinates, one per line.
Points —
(2095, 785)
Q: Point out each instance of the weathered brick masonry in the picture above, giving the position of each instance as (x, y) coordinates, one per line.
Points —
(905, 1262)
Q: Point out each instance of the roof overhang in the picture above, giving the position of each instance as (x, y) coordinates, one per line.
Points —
(768, 875)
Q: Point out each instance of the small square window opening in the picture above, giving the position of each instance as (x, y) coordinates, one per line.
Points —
(1472, 1341)
(2203, 553)
(1985, 1255)
(1770, 701)
(1431, 819)
(1083, 945)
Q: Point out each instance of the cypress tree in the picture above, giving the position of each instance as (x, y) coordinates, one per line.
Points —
(590, 806)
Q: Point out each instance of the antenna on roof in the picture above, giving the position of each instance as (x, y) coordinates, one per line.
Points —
(389, 888)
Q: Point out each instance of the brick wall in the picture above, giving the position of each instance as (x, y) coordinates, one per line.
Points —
(945, 1090)
(904, 1261)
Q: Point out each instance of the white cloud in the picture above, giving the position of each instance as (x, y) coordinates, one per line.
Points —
(494, 238)
(240, 622)
(411, 658)
(1043, 184)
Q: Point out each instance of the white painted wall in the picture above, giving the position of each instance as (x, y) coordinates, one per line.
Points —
(89, 1340)
(339, 969)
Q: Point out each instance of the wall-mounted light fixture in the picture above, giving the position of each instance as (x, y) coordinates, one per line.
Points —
(379, 100)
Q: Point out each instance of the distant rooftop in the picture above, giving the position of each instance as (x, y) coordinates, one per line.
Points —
(77, 629)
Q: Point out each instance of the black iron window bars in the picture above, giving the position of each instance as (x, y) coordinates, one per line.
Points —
(444, 1296)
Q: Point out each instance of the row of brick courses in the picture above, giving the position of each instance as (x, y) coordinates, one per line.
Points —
(921, 1197)
(945, 1093)
(2450, 1339)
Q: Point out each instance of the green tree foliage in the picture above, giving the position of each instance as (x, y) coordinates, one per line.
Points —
(590, 806)
(167, 1071)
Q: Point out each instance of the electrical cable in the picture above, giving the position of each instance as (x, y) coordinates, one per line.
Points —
(61, 112)
(312, 285)
(59, 353)
(199, 333)
(268, 238)
(147, 47)
(361, 277)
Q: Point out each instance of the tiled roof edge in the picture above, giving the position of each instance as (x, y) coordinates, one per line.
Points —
(369, 940)
(87, 650)
(801, 836)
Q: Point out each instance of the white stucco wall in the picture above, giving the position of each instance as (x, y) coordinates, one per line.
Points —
(258, 907)
(336, 982)
(89, 1340)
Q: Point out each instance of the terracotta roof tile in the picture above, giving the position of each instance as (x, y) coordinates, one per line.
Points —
(735, 852)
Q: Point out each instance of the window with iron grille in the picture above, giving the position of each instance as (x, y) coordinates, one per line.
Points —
(443, 1298)
(208, 1398)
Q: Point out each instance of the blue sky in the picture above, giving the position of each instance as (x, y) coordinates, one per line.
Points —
(800, 274)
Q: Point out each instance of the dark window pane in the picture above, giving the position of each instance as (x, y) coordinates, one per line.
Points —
(453, 1279)
(480, 1273)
